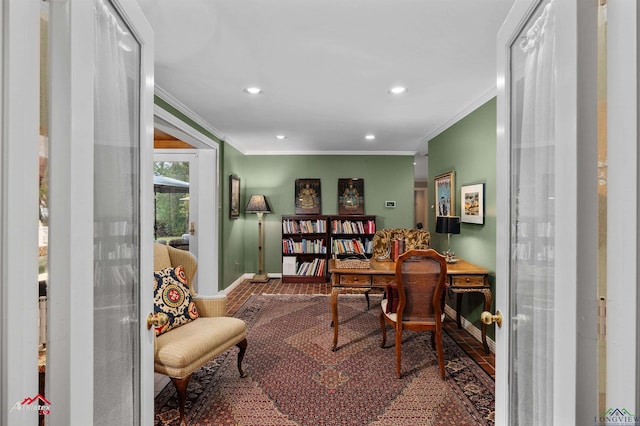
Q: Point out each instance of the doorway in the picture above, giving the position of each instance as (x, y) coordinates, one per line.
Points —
(182, 147)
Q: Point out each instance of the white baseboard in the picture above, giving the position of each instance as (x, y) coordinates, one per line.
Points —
(243, 277)
(470, 328)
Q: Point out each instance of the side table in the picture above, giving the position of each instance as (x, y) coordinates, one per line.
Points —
(465, 277)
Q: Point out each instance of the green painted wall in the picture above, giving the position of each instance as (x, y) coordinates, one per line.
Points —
(385, 178)
(469, 149)
(232, 243)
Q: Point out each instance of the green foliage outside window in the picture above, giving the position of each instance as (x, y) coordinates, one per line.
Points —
(172, 213)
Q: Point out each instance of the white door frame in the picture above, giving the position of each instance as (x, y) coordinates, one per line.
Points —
(70, 360)
(623, 332)
(208, 197)
(575, 362)
(19, 239)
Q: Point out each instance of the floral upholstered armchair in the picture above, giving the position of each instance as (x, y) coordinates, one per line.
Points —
(413, 239)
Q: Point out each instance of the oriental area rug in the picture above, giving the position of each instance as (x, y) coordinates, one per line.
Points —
(295, 379)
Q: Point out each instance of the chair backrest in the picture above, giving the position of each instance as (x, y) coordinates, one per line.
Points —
(421, 277)
(165, 256)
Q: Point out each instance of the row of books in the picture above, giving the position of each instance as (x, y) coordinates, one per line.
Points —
(314, 268)
(290, 226)
(353, 227)
(344, 246)
(303, 246)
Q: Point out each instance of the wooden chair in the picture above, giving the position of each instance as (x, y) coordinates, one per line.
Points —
(420, 279)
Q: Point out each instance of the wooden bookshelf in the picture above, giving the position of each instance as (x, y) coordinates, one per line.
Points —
(305, 248)
(351, 235)
(309, 241)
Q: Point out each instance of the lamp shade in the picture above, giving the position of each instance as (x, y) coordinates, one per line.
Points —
(448, 224)
(258, 204)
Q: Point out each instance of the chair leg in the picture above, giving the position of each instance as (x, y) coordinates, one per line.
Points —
(433, 340)
(438, 340)
(181, 389)
(243, 348)
(383, 327)
(398, 351)
(366, 296)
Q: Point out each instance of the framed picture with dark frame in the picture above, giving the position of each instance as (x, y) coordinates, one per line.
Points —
(350, 196)
(444, 186)
(234, 197)
(472, 199)
(307, 196)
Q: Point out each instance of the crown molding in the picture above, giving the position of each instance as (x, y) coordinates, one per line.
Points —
(175, 103)
(477, 103)
(359, 153)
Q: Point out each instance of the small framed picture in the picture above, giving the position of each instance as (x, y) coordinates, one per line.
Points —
(308, 197)
(472, 197)
(445, 194)
(350, 196)
(234, 197)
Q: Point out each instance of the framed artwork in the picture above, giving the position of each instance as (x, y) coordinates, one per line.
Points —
(307, 196)
(445, 195)
(350, 196)
(234, 197)
(472, 198)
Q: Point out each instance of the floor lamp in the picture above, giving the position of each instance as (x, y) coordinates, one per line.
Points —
(259, 205)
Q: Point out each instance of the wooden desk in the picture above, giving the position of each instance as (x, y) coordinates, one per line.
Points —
(464, 277)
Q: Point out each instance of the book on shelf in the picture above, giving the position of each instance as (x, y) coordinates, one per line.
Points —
(301, 226)
(290, 246)
(354, 245)
(311, 268)
(353, 226)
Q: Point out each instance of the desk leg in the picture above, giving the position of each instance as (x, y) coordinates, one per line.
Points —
(487, 306)
(334, 313)
(458, 309)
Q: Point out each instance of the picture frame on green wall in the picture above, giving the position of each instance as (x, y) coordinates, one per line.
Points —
(472, 198)
(444, 186)
(308, 196)
(350, 196)
(234, 197)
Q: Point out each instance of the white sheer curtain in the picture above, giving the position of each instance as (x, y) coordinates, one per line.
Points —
(533, 181)
(116, 216)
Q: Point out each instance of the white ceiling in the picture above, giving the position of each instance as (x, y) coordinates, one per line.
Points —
(325, 67)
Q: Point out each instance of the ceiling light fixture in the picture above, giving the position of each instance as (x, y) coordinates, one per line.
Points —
(281, 137)
(398, 90)
(253, 90)
(370, 137)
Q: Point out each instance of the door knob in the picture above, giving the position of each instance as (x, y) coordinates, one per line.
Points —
(488, 318)
(159, 319)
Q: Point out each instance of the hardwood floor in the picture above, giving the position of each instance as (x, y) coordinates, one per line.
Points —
(241, 293)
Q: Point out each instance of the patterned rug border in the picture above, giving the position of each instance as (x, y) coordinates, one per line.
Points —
(470, 386)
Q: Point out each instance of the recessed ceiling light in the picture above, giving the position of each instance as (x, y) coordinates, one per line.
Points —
(253, 90)
(370, 137)
(281, 137)
(398, 90)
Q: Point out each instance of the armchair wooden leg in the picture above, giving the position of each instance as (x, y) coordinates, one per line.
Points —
(243, 348)
(181, 389)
